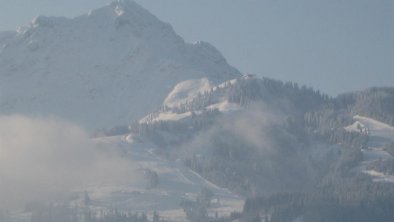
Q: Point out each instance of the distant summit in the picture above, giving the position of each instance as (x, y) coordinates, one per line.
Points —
(118, 62)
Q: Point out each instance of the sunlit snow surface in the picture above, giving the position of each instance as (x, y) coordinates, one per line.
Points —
(379, 134)
(176, 183)
(376, 128)
(118, 62)
(184, 92)
(187, 90)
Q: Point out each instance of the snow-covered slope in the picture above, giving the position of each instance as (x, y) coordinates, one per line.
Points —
(175, 184)
(372, 127)
(380, 134)
(177, 104)
(118, 62)
(187, 90)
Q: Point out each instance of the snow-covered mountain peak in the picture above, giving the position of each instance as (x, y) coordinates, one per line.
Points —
(126, 10)
(118, 61)
(127, 4)
(128, 7)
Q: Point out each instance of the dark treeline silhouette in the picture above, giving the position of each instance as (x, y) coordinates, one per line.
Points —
(64, 213)
(356, 201)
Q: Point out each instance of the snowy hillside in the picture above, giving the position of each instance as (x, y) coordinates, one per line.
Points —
(372, 127)
(153, 184)
(117, 62)
(380, 134)
(187, 90)
(195, 97)
(179, 102)
(234, 133)
(175, 183)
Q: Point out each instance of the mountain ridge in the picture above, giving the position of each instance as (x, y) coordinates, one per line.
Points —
(296, 128)
(105, 61)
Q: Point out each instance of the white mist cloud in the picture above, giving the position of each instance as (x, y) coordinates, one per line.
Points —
(253, 127)
(42, 159)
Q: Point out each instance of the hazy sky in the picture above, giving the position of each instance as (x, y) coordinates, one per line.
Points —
(332, 45)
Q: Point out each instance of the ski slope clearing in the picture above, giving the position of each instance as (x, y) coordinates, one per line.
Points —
(372, 127)
(380, 134)
(165, 116)
(174, 184)
(187, 90)
(176, 106)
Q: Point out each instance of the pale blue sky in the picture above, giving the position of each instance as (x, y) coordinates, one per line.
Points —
(333, 45)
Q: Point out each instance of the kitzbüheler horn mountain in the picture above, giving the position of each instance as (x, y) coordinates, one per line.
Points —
(197, 141)
(101, 69)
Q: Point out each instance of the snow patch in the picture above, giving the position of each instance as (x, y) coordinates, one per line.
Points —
(379, 134)
(186, 91)
(372, 127)
(225, 106)
(165, 116)
(225, 84)
(379, 176)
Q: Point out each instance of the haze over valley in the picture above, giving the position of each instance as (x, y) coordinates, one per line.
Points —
(111, 116)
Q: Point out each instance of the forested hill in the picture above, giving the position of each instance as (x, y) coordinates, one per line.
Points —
(377, 103)
(251, 134)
